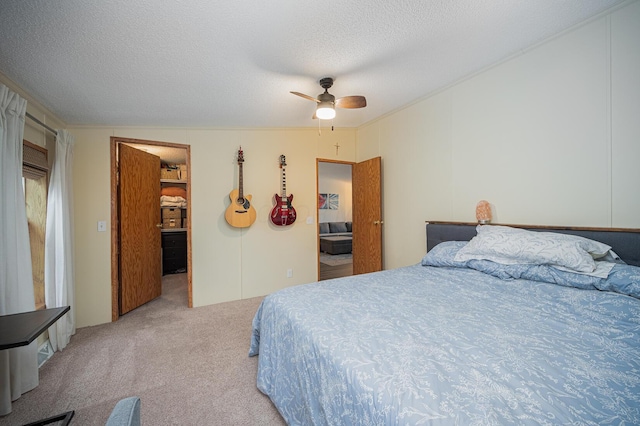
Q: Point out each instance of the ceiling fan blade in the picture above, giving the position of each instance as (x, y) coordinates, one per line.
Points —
(302, 95)
(351, 102)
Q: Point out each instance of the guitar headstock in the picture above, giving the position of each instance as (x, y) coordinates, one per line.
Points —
(283, 161)
(240, 156)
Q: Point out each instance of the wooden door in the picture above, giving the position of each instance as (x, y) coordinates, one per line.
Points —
(367, 216)
(140, 246)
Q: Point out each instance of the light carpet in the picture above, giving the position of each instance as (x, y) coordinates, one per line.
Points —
(336, 259)
(188, 366)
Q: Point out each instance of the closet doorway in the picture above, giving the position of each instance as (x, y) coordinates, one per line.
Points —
(137, 232)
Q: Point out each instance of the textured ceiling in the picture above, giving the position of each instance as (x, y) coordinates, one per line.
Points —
(203, 63)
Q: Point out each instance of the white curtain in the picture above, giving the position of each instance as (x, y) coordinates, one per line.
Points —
(58, 256)
(18, 366)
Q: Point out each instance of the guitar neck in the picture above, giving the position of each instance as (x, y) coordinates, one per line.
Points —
(284, 184)
(240, 192)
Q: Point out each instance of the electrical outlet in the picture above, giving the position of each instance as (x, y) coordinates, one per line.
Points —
(289, 273)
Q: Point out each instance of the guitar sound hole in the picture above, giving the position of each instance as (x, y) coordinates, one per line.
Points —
(240, 201)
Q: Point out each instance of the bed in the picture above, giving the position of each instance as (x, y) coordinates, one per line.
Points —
(458, 341)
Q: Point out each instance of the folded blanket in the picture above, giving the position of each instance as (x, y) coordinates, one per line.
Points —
(169, 201)
(171, 204)
(173, 191)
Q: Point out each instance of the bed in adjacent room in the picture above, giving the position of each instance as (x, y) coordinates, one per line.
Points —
(511, 327)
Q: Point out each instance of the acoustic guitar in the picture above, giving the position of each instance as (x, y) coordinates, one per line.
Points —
(283, 213)
(240, 213)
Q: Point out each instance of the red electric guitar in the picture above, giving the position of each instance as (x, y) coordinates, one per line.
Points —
(283, 213)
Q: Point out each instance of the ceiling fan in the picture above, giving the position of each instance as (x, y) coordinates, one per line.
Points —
(327, 102)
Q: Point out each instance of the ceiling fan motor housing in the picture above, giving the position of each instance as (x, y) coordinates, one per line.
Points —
(326, 83)
(326, 97)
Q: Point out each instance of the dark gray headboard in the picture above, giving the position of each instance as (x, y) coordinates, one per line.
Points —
(625, 242)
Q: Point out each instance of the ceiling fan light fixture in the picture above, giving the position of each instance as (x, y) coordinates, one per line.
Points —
(325, 111)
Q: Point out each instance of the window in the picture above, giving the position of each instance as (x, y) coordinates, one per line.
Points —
(34, 172)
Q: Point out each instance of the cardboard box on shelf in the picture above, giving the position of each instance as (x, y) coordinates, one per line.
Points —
(182, 172)
(171, 223)
(171, 213)
(166, 173)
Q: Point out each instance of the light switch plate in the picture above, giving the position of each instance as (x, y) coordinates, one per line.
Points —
(102, 226)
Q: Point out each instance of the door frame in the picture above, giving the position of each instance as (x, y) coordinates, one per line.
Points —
(318, 161)
(115, 217)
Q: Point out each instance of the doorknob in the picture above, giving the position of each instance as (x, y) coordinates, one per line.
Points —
(378, 222)
(158, 225)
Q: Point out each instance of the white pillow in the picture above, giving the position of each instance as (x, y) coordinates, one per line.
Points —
(502, 244)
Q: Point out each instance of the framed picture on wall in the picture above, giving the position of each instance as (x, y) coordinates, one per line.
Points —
(322, 201)
(333, 202)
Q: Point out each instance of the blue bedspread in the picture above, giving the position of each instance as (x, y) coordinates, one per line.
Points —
(448, 346)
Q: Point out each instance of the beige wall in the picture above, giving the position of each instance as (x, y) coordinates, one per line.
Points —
(228, 263)
(549, 137)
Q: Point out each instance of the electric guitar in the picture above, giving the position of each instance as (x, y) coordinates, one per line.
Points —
(240, 213)
(283, 213)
